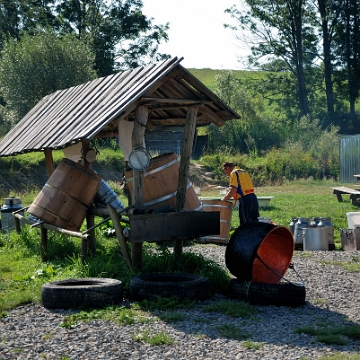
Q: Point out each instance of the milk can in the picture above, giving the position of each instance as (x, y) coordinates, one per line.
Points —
(326, 222)
(292, 225)
(299, 225)
(314, 222)
(7, 218)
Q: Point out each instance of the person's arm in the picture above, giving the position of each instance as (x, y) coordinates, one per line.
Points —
(230, 194)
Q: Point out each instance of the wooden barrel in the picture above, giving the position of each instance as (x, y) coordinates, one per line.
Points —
(160, 184)
(67, 196)
(225, 208)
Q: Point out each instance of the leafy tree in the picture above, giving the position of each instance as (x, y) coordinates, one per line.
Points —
(328, 14)
(347, 40)
(36, 66)
(281, 30)
(19, 16)
(255, 132)
(120, 35)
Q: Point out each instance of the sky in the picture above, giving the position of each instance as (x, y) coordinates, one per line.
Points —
(197, 33)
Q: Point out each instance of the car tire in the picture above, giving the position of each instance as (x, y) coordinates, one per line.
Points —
(82, 293)
(281, 294)
(181, 285)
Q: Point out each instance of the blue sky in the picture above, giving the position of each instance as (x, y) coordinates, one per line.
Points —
(197, 33)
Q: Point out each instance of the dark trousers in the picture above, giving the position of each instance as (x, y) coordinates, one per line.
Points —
(248, 208)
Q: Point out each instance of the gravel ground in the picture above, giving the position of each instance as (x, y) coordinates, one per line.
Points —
(332, 299)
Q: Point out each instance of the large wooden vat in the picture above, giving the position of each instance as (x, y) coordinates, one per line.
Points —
(225, 209)
(67, 196)
(161, 182)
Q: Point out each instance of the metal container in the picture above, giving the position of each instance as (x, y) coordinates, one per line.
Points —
(299, 225)
(292, 225)
(7, 218)
(107, 195)
(327, 223)
(315, 238)
(259, 252)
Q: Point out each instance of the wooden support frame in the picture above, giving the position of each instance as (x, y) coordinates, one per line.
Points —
(141, 118)
(189, 133)
(179, 225)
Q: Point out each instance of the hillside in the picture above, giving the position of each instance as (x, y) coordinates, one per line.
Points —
(17, 177)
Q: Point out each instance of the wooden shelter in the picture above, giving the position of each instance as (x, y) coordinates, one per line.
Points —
(163, 94)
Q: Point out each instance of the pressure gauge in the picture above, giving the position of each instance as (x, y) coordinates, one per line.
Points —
(139, 159)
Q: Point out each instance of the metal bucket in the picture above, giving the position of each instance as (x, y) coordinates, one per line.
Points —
(7, 218)
(315, 238)
(106, 195)
(67, 196)
(259, 252)
(160, 184)
(225, 209)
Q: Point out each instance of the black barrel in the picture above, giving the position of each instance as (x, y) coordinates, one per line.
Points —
(260, 252)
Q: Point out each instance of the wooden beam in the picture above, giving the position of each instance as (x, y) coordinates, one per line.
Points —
(49, 161)
(119, 234)
(173, 225)
(185, 102)
(186, 151)
(141, 117)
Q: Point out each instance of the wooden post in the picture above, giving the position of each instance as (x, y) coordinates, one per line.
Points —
(141, 116)
(91, 240)
(189, 132)
(49, 161)
(119, 234)
(44, 243)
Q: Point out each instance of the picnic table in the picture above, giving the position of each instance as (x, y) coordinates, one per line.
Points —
(340, 190)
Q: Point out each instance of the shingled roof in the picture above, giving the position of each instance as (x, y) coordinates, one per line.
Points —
(93, 109)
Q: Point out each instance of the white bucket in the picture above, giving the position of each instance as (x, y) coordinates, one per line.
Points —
(315, 238)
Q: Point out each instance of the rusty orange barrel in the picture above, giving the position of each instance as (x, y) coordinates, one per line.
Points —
(67, 196)
(260, 252)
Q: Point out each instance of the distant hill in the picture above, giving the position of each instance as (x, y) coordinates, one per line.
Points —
(208, 76)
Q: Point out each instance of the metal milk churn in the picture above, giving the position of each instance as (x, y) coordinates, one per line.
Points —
(7, 218)
(292, 225)
(326, 222)
(314, 222)
(302, 223)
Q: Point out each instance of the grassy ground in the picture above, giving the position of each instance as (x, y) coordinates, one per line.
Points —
(22, 272)
(302, 198)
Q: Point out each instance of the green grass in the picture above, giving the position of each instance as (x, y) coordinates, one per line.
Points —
(22, 272)
(230, 331)
(231, 308)
(158, 339)
(301, 198)
(328, 334)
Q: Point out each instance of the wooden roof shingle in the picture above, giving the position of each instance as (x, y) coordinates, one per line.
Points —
(93, 109)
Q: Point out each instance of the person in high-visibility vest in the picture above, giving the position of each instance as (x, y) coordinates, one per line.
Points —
(242, 190)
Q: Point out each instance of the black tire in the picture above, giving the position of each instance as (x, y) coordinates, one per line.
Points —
(282, 294)
(82, 293)
(181, 285)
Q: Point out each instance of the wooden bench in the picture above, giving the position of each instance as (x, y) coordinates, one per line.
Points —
(354, 194)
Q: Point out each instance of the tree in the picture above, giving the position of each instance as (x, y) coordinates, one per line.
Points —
(281, 30)
(255, 132)
(347, 40)
(19, 16)
(120, 35)
(38, 65)
(328, 18)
